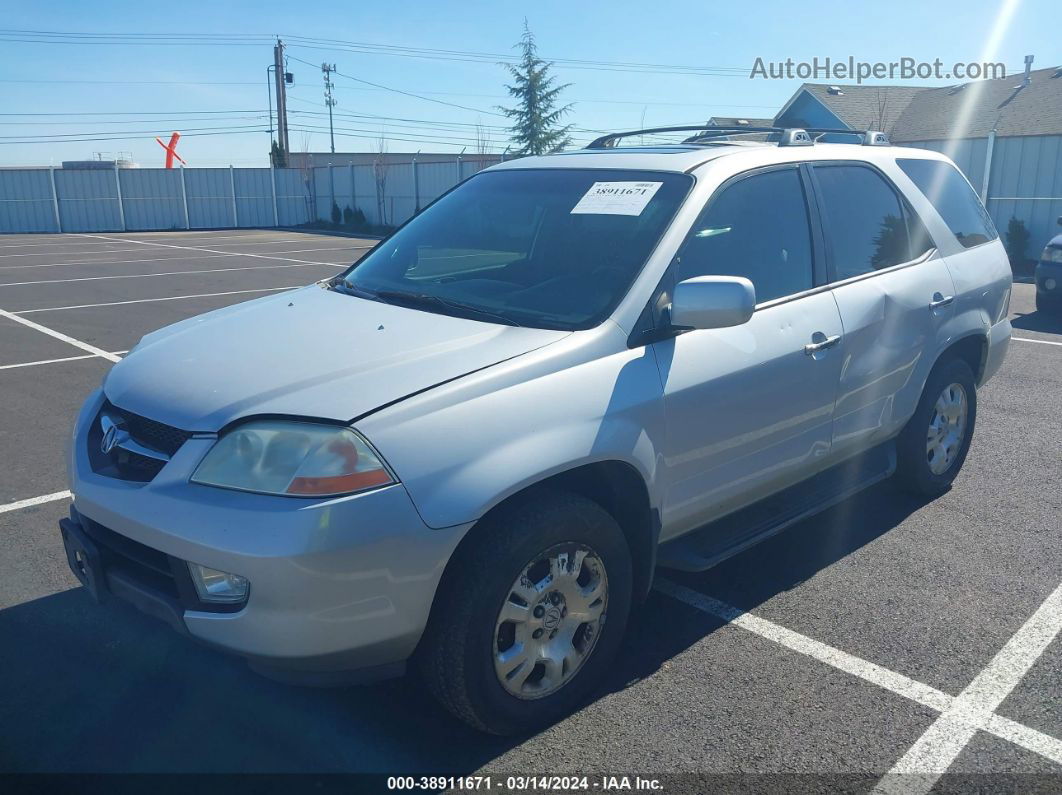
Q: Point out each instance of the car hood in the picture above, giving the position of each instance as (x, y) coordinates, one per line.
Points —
(311, 352)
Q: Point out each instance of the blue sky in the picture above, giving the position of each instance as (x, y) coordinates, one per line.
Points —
(224, 86)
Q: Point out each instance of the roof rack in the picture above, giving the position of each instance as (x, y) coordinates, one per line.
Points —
(785, 136)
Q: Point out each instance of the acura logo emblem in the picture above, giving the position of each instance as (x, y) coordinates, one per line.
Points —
(112, 433)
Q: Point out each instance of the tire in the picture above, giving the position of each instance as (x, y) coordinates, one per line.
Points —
(923, 467)
(466, 634)
(1046, 304)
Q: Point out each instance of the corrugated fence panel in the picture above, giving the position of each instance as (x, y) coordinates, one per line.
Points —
(26, 201)
(209, 198)
(399, 199)
(365, 193)
(293, 197)
(88, 200)
(254, 196)
(152, 198)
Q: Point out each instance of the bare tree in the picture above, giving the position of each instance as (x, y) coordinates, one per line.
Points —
(379, 171)
(304, 163)
(483, 142)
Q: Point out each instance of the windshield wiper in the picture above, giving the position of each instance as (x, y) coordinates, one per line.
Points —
(426, 300)
(349, 288)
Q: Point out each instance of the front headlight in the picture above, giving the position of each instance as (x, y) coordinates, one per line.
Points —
(298, 459)
(1052, 254)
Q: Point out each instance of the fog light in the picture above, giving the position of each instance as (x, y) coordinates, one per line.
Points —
(1050, 284)
(218, 586)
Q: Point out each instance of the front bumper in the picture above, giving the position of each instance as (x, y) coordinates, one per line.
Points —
(338, 586)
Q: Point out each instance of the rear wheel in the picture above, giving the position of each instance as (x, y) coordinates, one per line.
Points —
(518, 636)
(933, 445)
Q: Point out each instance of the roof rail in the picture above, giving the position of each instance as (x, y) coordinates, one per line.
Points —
(706, 133)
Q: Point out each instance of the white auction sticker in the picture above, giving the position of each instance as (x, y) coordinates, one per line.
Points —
(616, 198)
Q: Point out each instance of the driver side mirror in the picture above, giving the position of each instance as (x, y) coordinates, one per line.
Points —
(705, 302)
(1060, 220)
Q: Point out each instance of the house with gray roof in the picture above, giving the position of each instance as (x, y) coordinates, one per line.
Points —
(1005, 134)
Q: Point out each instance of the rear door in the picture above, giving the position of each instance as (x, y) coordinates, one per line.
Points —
(749, 408)
(893, 292)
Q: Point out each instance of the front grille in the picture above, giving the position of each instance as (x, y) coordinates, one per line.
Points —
(128, 465)
(152, 433)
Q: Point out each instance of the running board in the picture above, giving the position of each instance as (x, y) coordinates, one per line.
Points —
(713, 543)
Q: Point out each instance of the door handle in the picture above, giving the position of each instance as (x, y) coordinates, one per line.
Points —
(822, 343)
(940, 300)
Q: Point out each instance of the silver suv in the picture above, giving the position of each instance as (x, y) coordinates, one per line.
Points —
(477, 443)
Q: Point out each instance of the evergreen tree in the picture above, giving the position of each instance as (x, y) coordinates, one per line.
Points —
(536, 119)
(276, 156)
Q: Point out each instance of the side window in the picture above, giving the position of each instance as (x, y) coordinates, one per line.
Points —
(757, 228)
(952, 197)
(864, 220)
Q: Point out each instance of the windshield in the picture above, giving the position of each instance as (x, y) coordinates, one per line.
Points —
(550, 248)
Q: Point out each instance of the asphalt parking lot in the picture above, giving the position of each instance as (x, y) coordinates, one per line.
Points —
(887, 635)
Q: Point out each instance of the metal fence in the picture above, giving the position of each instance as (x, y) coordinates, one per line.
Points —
(149, 199)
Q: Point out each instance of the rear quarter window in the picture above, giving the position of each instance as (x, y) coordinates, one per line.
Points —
(953, 198)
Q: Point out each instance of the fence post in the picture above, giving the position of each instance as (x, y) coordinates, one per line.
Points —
(988, 166)
(416, 187)
(353, 192)
(184, 201)
(273, 188)
(232, 187)
(332, 190)
(55, 200)
(460, 169)
(118, 187)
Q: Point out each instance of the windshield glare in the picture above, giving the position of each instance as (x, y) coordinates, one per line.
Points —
(549, 248)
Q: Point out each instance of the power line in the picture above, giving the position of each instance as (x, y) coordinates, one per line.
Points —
(128, 137)
(400, 91)
(153, 131)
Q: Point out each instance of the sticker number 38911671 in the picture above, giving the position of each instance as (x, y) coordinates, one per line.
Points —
(616, 198)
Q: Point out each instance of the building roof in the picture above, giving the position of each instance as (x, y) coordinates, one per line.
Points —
(862, 107)
(740, 121)
(1035, 109)
(917, 113)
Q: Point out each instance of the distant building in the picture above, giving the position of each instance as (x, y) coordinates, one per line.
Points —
(1005, 134)
(97, 164)
(321, 159)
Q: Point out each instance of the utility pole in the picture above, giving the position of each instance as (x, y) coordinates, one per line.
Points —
(326, 70)
(282, 78)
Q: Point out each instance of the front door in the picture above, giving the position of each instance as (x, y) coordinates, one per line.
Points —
(749, 408)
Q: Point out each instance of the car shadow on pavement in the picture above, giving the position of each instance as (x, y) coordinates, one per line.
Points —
(1047, 322)
(90, 688)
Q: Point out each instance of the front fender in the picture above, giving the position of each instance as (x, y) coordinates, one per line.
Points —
(463, 449)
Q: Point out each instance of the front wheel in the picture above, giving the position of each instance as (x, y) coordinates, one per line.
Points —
(933, 445)
(531, 615)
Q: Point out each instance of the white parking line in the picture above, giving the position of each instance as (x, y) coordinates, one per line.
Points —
(1042, 342)
(111, 262)
(164, 273)
(149, 300)
(932, 754)
(14, 506)
(111, 242)
(215, 251)
(55, 361)
(977, 703)
(60, 336)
